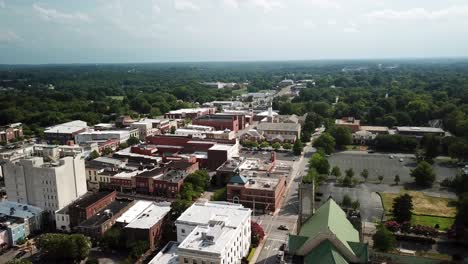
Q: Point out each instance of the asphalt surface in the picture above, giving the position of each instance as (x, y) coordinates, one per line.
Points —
(381, 164)
(287, 215)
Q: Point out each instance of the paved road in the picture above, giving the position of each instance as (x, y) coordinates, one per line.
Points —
(287, 215)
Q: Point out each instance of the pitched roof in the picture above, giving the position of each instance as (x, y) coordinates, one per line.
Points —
(279, 126)
(325, 253)
(330, 217)
(238, 179)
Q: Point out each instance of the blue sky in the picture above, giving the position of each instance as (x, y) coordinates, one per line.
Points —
(82, 31)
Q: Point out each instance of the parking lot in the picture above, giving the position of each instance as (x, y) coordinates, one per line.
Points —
(381, 164)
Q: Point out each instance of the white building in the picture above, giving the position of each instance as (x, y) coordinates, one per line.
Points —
(189, 132)
(214, 233)
(48, 185)
(104, 135)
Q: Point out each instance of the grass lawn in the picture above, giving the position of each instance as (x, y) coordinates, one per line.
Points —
(444, 222)
(427, 209)
(239, 91)
(356, 147)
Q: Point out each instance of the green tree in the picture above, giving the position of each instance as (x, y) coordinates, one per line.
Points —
(342, 136)
(325, 142)
(63, 248)
(276, 146)
(423, 174)
(336, 172)
(347, 181)
(349, 173)
(355, 205)
(287, 145)
(402, 206)
(123, 145)
(347, 202)
(264, 144)
(383, 239)
(107, 151)
(397, 179)
(133, 141)
(365, 174)
(94, 154)
(320, 163)
(178, 207)
(220, 195)
(112, 239)
(298, 147)
(380, 177)
(461, 219)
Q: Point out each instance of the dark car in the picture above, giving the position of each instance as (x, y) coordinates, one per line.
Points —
(283, 227)
(371, 151)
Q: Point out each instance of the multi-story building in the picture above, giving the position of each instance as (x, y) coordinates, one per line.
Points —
(148, 226)
(245, 117)
(66, 132)
(213, 232)
(149, 127)
(11, 132)
(280, 132)
(18, 221)
(189, 113)
(48, 185)
(82, 209)
(103, 135)
(220, 122)
(350, 122)
(105, 219)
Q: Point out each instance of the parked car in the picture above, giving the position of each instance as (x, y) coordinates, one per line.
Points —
(391, 156)
(401, 159)
(283, 227)
(371, 151)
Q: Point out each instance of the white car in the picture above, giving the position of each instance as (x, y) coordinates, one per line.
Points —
(391, 156)
(401, 159)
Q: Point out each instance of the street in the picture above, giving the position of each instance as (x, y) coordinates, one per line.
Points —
(286, 216)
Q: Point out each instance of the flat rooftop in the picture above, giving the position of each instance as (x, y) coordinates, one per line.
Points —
(221, 147)
(20, 210)
(167, 255)
(200, 213)
(69, 127)
(262, 183)
(375, 128)
(134, 211)
(347, 121)
(101, 217)
(188, 110)
(196, 241)
(89, 198)
(420, 129)
(279, 126)
(150, 216)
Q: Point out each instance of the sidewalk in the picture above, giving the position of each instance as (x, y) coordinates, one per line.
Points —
(258, 250)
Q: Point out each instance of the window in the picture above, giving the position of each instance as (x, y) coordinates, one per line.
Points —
(194, 261)
(185, 260)
(183, 231)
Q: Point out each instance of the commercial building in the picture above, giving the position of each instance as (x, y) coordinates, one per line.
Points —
(103, 135)
(103, 220)
(17, 221)
(350, 122)
(257, 193)
(189, 113)
(48, 185)
(15, 153)
(65, 133)
(419, 131)
(224, 104)
(149, 224)
(328, 237)
(245, 117)
(285, 82)
(280, 132)
(149, 127)
(82, 209)
(11, 132)
(220, 122)
(213, 232)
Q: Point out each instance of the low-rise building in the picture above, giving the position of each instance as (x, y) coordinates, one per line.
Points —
(419, 131)
(149, 127)
(328, 237)
(103, 135)
(220, 122)
(65, 133)
(350, 122)
(103, 220)
(11, 132)
(82, 209)
(285, 82)
(17, 221)
(280, 132)
(189, 113)
(148, 225)
(213, 232)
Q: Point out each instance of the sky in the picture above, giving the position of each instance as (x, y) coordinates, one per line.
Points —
(121, 31)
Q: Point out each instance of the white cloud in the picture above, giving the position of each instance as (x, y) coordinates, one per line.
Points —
(231, 4)
(183, 5)
(2, 4)
(61, 17)
(326, 4)
(419, 13)
(156, 8)
(8, 37)
(267, 5)
(309, 24)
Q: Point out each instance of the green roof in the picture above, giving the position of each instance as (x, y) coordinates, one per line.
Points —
(330, 216)
(238, 179)
(325, 253)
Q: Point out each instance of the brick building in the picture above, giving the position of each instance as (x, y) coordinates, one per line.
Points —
(148, 226)
(189, 113)
(11, 132)
(221, 122)
(349, 122)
